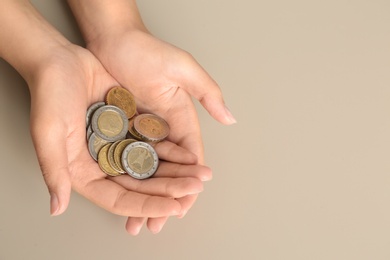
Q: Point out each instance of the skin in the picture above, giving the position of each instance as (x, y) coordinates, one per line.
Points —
(64, 79)
(162, 77)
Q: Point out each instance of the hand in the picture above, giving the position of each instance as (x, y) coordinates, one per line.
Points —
(61, 91)
(162, 78)
(64, 80)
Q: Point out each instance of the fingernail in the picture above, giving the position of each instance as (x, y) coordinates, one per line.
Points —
(137, 230)
(229, 116)
(195, 191)
(206, 177)
(156, 230)
(54, 205)
(182, 215)
(175, 211)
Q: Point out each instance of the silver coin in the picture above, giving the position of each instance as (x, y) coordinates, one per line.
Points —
(110, 123)
(140, 160)
(95, 143)
(89, 131)
(91, 110)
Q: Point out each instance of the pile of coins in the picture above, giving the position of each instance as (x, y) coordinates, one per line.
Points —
(120, 139)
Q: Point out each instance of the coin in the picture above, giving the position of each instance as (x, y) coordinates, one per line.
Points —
(151, 127)
(103, 161)
(132, 133)
(119, 150)
(110, 123)
(110, 157)
(95, 143)
(122, 98)
(91, 110)
(140, 160)
(89, 132)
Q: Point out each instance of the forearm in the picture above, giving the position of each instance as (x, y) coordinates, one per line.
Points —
(97, 18)
(27, 40)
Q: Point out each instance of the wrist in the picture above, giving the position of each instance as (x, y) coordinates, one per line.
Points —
(30, 39)
(42, 63)
(32, 62)
(99, 19)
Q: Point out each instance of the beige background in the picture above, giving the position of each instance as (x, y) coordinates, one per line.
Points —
(305, 174)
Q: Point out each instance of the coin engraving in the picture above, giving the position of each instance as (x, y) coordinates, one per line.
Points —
(110, 123)
(140, 160)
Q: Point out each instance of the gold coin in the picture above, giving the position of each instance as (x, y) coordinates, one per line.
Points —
(110, 123)
(122, 98)
(151, 127)
(120, 147)
(103, 161)
(110, 157)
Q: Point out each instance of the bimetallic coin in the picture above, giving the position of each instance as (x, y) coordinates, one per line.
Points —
(122, 98)
(89, 131)
(91, 110)
(110, 123)
(103, 161)
(140, 160)
(132, 133)
(110, 157)
(151, 127)
(119, 150)
(95, 143)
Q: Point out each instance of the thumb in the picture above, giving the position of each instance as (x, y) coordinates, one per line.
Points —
(201, 86)
(50, 145)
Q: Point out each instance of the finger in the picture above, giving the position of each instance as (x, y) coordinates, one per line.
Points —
(169, 151)
(118, 200)
(173, 170)
(156, 224)
(200, 85)
(186, 203)
(164, 187)
(50, 145)
(134, 225)
(184, 124)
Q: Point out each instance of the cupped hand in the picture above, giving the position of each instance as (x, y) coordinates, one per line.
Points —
(61, 91)
(163, 79)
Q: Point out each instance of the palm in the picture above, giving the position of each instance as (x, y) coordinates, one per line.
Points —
(73, 87)
(158, 74)
(62, 94)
